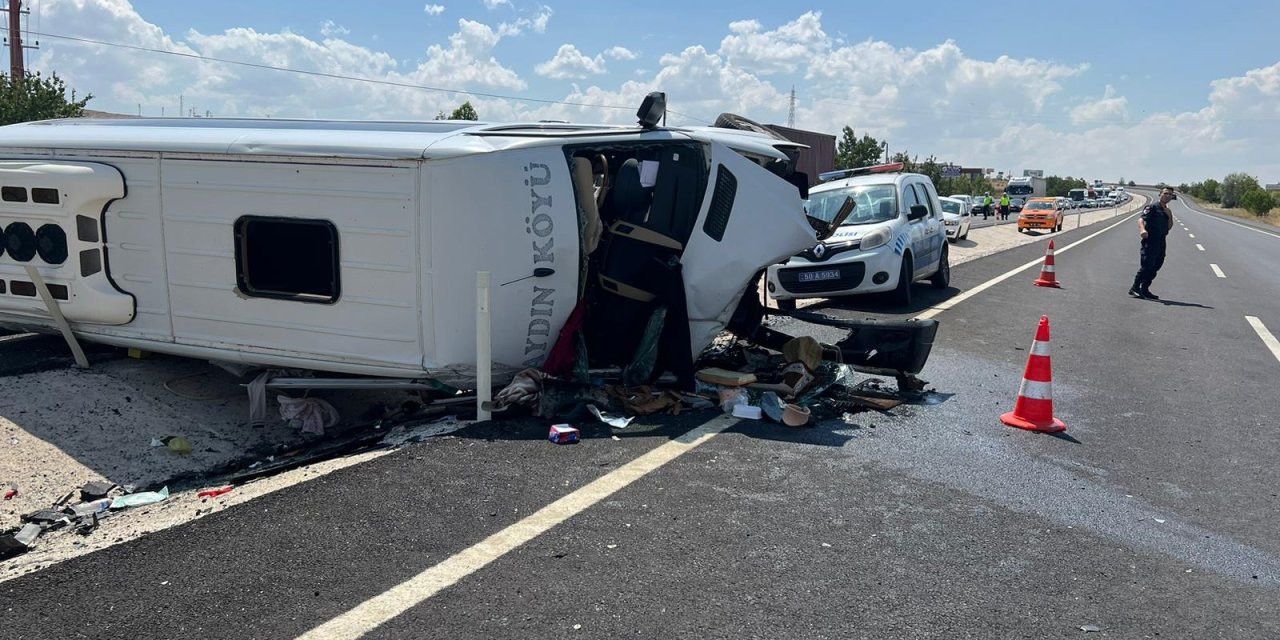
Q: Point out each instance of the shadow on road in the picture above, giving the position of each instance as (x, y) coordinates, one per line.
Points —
(1175, 303)
(923, 296)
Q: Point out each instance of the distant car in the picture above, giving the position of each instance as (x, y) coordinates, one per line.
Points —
(1016, 204)
(956, 218)
(1040, 213)
(967, 200)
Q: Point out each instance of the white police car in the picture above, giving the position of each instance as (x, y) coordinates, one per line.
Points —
(893, 237)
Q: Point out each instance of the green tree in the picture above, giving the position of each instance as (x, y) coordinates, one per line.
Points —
(464, 112)
(37, 98)
(1258, 201)
(852, 152)
(1056, 186)
(1234, 186)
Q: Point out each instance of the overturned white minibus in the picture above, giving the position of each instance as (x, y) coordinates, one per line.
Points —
(353, 247)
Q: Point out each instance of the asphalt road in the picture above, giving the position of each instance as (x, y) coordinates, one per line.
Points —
(1152, 517)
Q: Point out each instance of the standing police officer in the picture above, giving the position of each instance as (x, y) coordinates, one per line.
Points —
(1153, 226)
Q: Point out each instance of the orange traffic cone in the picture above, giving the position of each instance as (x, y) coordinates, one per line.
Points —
(1048, 278)
(1034, 408)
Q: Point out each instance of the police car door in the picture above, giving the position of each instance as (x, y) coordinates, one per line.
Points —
(927, 233)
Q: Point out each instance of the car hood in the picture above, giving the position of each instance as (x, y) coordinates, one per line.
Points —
(853, 232)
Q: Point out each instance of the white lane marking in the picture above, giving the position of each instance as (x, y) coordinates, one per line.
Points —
(1217, 271)
(1191, 235)
(1242, 226)
(951, 303)
(1267, 338)
(381, 608)
(1200, 247)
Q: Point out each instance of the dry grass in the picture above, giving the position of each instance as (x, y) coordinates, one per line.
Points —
(1272, 218)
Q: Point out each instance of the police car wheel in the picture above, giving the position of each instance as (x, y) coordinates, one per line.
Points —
(941, 278)
(902, 294)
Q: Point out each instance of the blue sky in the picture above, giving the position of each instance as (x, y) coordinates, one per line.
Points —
(1151, 90)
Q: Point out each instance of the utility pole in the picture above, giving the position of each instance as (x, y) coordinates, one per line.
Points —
(791, 114)
(17, 70)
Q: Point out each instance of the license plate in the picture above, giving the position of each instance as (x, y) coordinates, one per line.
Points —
(818, 276)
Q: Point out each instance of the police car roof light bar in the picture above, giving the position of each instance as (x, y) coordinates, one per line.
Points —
(892, 167)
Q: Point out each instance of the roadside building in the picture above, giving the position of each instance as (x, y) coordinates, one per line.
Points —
(820, 157)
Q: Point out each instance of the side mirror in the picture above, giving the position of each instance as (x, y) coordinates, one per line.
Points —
(652, 110)
(917, 212)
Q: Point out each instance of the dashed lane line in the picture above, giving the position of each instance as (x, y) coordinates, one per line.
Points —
(1200, 247)
(372, 613)
(1217, 271)
(1267, 338)
(952, 302)
(1242, 226)
(1191, 235)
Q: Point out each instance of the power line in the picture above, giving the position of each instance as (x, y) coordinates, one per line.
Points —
(336, 76)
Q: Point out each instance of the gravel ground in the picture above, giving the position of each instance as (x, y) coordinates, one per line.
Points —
(62, 428)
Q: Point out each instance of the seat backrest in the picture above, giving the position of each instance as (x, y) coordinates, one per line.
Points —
(630, 199)
(584, 189)
(886, 209)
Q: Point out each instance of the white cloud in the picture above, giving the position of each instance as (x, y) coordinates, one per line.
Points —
(785, 49)
(569, 63)
(620, 53)
(1005, 112)
(329, 29)
(434, 9)
(494, 4)
(537, 23)
(1108, 110)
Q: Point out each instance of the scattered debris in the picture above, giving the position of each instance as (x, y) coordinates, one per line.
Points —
(794, 415)
(87, 509)
(772, 405)
(746, 411)
(563, 434)
(523, 391)
(213, 493)
(96, 490)
(311, 415)
(11, 492)
(724, 377)
(140, 499)
(615, 422)
(177, 444)
(1090, 628)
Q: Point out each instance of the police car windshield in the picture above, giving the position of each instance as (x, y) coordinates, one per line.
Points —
(872, 203)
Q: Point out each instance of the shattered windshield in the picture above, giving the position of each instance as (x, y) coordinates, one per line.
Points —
(872, 203)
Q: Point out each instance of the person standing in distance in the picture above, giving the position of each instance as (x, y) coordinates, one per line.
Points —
(986, 206)
(1153, 227)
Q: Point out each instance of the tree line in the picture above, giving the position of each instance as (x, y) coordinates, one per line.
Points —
(1237, 190)
(853, 152)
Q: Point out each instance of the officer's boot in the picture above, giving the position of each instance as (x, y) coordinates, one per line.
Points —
(1146, 292)
(1136, 289)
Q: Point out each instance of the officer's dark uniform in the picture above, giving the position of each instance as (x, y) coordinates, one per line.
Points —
(1156, 220)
